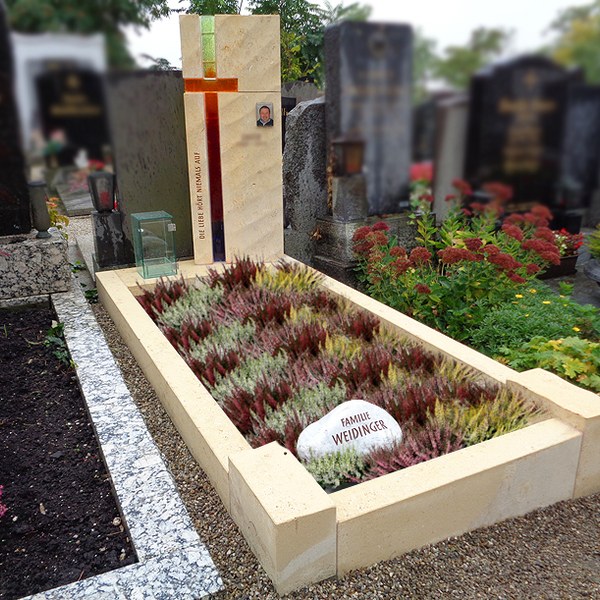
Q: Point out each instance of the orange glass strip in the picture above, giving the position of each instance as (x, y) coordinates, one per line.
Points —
(211, 85)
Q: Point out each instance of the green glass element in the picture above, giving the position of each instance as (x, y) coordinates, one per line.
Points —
(154, 243)
(207, 26)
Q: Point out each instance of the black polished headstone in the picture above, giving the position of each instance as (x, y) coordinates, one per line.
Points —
(581, 152)
(516, 128)
(368, 82)
(14, 198)
(72, 100)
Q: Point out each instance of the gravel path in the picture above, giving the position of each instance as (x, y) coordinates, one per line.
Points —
(551, 553)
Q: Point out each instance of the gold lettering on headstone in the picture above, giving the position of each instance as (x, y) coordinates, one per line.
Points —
(523, 148)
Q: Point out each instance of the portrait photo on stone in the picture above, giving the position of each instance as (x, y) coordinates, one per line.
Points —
(264, 114)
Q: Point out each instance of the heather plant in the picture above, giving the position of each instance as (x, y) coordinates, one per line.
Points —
(336, 469)
(194, 305)
(247, 375)
(227, 337)
(277, 353)
(416, 447)
(460, 270)
(484, 421)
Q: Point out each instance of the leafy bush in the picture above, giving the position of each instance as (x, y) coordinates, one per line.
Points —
(534, 312)
(460, 270)
(593, 242)
(576, 360)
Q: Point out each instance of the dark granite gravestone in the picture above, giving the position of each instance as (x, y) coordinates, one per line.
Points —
(368, 82)
(14, 197)
(287, 104)
(147, 127)
(581, 152)
(304, 178)
(516, 128)
(72, 100)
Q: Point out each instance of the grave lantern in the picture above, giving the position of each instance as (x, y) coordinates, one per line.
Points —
(102, 190)
(349, 155)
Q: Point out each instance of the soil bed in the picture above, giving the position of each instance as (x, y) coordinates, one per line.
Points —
(62, 522)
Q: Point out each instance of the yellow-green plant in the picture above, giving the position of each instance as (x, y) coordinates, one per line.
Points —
(484, 421)
(57, 219)
(576, 360)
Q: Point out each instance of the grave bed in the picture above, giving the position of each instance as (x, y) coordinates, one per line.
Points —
(299, 532)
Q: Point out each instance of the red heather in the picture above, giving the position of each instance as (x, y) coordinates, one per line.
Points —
(417, 447)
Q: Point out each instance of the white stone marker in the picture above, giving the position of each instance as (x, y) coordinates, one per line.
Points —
(354, 424)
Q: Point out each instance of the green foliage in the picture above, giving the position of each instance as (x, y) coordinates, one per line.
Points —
(214, 7)
(302, 28)
(249, 373)
(536, 311)
(86, 17)
(424, 64)
(576, 360)
(578, 39)
(593, 242)
(224, 338)
(91, 295)
(334, 470)
(311, 403)
(458, 273)
(55, 341)
(194, 305)
(460, 62)
(484, 421)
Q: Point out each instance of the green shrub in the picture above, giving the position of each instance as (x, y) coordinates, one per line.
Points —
(536, 311)
(461, 270)
(575, 359)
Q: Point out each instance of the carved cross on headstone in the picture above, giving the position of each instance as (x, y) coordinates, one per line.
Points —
(231, 71)
(14, 198)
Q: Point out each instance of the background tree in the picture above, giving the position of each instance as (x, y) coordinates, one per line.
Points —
(86, 17)
(425, 60)
(458, 63)
(302, 29)
(578, 41)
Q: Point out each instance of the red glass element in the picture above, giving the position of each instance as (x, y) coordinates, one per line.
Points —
(213, 143)
(210, 85)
